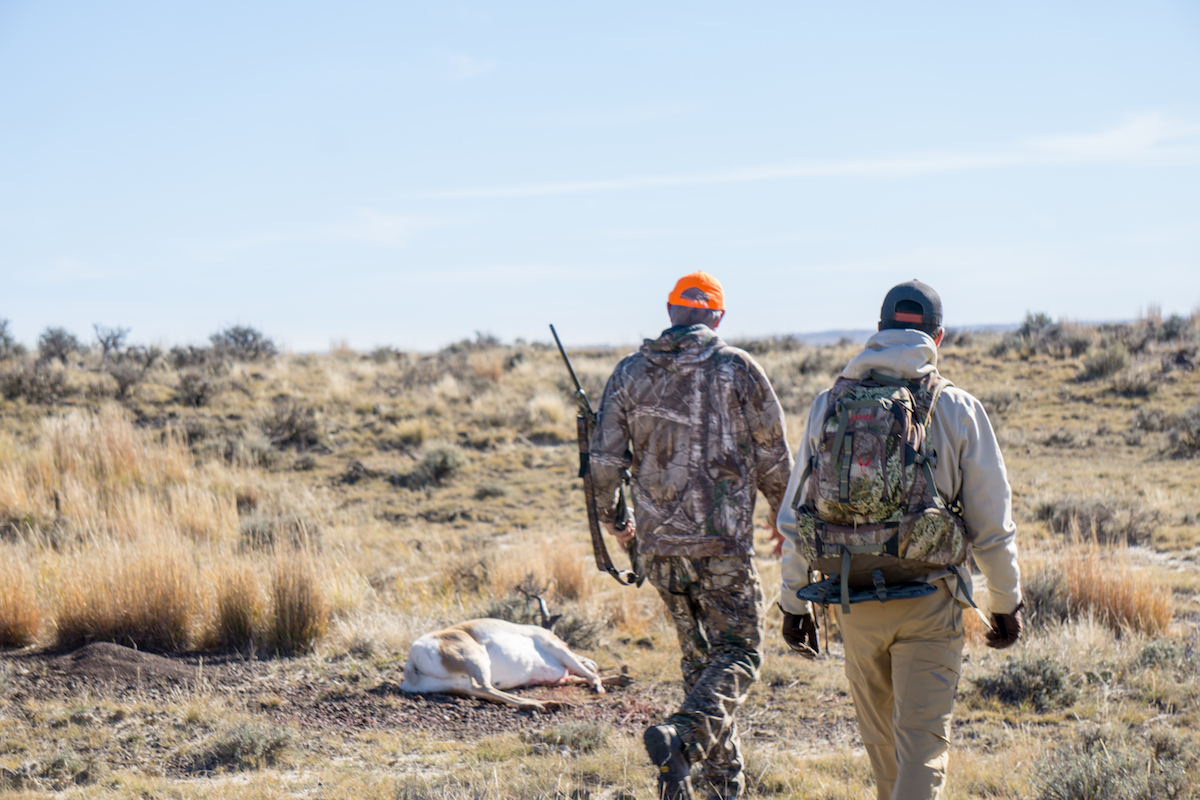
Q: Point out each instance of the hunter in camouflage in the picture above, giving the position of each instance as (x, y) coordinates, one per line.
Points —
(697, 423)
(706, 433)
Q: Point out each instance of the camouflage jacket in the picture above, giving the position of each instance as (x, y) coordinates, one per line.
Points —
(699, 426)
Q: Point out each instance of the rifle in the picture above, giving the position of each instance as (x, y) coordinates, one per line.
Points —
(585, 421)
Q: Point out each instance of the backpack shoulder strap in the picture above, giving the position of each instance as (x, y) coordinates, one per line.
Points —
(933, 385)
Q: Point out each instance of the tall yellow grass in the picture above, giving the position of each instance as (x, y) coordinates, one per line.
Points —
(974, 631)
(572, 574)
(1122, 596)
(143, 593)
(138, 546)
(93, 475)
(301, 602)
(20, 613)
(1101, 581)
(240, 615)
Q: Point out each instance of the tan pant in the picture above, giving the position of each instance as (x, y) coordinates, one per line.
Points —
(903, 659)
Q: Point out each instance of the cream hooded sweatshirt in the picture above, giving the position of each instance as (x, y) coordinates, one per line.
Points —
(969, 466)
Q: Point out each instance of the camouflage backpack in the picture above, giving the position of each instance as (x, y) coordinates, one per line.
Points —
(870, 513)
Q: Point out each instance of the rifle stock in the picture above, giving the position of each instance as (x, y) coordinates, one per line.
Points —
(584, 422)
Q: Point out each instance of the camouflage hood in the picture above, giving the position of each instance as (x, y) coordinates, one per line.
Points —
(903, 353)
(682, 347)
(697, 424)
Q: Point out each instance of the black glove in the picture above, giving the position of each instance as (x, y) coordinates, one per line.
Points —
(1005, 629)
(800, 633)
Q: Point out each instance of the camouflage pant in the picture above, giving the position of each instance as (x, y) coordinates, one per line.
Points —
(717, 606)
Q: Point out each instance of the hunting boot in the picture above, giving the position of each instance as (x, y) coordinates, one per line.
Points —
(666, 752)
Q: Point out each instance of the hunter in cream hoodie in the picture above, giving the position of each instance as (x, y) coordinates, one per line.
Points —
(969, 467)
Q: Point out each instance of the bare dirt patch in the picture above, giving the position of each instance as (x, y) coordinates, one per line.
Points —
(105, 662)
(295, 692)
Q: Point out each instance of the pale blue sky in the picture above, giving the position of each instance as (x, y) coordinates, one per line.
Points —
(410, 173)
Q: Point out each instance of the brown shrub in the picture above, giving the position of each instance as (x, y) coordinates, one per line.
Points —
(1135, 382)
(291, 423)
(999, 402)
(243, 343)
(1183, 431)
(1108, 361)
(240, 746)
(35, 382)
(439, 464)
(197, 388)
(1091, 519)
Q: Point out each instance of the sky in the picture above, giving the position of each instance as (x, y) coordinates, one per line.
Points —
(409, 174)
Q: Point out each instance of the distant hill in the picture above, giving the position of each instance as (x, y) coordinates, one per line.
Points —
(859, 336)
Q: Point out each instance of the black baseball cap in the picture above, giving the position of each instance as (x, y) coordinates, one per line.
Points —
(911, 305)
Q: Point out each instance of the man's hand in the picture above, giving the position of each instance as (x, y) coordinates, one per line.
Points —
(800, 633)
(624, 536)
(776, 539)
(1005, 629)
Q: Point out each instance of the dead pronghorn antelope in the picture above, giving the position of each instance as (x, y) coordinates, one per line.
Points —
(480, 657)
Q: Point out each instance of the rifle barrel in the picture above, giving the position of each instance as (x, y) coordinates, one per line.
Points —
(566, 360)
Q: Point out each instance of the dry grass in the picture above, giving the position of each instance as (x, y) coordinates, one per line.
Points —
(487, 364)
(20, 613)
(142, 594)
(301, 602)
(240, 616)
(137, 541)
(974, 629)
(392, 561)
(1089, 579)
(571, 573)
(93, 475)
(413, 432)
(633, 613)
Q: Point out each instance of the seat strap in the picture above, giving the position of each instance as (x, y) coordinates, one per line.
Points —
(845, 581)
(880, 587)
(847, 551)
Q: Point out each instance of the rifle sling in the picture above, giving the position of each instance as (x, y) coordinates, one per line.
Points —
(599, 550)
(603, 562)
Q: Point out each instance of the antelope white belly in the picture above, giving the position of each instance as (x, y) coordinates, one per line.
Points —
(520, 661)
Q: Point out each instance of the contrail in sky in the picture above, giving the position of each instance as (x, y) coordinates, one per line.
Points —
(1150, 139)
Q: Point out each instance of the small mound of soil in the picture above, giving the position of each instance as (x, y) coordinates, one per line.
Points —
(108, 662)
